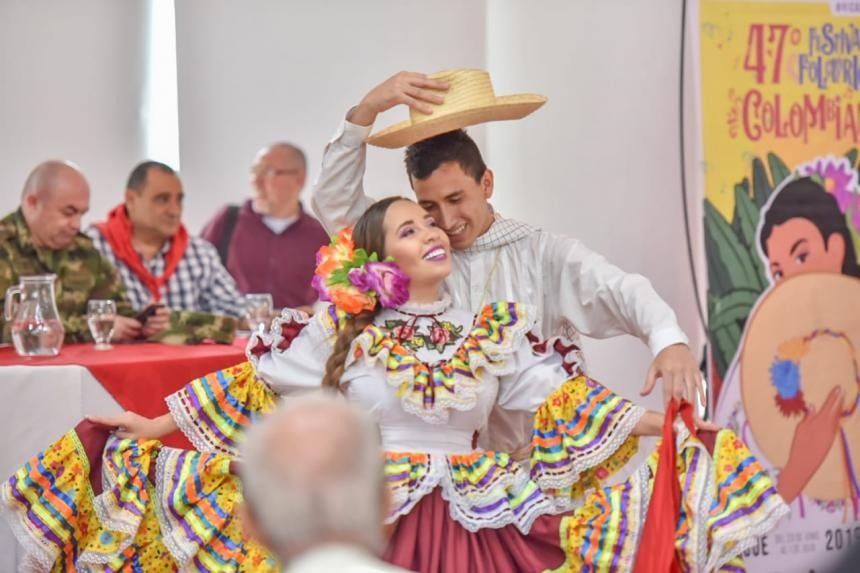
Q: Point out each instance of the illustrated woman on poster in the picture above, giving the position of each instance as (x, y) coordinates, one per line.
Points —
(792, 389)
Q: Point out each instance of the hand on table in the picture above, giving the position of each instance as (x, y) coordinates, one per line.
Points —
(409, 88)
(137, 427)
(157, 323)
(125, 329)
(678, 369)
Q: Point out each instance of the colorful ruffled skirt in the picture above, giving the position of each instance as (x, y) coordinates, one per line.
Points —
(92, 502)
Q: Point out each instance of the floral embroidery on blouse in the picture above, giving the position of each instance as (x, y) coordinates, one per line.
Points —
(438, 337)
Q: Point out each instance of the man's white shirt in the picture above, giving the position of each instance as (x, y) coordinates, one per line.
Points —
(575, 290)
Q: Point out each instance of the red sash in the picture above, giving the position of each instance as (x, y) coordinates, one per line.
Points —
(117, 231)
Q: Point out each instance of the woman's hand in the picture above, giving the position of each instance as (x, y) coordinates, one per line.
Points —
(813, 439)
(134, 426)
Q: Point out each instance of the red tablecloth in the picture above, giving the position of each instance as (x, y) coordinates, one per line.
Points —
(139, 376)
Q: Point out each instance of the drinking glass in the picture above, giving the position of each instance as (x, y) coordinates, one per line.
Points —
(258, 310)
(101, 315)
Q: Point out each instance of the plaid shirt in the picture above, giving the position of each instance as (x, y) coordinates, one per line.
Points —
(500, 233)
(200, 282)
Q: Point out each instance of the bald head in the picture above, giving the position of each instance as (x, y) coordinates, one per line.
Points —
(55, 197)
(277, 178)
(313, 474)
(286, 149)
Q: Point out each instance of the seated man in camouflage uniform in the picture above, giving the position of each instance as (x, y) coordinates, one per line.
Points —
(43, 236)
(160, 264)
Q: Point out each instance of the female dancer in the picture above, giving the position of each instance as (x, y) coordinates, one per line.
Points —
(432, 375)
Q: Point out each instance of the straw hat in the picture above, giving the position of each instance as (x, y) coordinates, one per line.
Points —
(470, 100)
(805, 330)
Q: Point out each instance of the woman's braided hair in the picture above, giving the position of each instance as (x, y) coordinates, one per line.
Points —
(368, 234)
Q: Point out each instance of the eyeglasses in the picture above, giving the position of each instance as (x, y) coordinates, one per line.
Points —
(274, 172)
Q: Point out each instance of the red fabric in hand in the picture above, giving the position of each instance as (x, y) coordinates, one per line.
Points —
(657, 552)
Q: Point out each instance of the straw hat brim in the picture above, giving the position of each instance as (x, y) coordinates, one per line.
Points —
(505, 108)
(794, 309)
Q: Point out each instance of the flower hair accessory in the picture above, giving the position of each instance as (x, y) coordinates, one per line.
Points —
(839, 178)
(355, 281)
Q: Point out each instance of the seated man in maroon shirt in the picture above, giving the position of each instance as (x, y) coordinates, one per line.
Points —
(269, 243)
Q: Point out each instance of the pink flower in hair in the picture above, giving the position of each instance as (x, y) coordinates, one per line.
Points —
(390, 284)
(838, 178)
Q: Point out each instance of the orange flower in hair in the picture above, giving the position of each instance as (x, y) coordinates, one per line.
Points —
(351, 300)
(356, 281)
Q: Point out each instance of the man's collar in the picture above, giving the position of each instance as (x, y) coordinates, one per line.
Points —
(501, 232)
(299, 214)
(24, 238)
(165, 247)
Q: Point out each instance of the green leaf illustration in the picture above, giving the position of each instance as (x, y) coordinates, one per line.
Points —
(733, 308)
(761, 185)
(734, 255)
(779, 171)
(746, 219)
(719, 281)
(746, 216)
(727, 340)
(852, 157)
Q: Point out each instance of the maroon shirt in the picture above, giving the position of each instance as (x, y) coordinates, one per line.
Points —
(262, 261)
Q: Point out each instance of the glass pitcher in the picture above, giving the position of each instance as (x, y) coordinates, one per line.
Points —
(36, 326)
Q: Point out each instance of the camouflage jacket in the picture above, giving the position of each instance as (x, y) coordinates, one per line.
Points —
(82, 274)
(193, 327)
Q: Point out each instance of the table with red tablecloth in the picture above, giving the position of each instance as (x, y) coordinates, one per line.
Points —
(138, 376)
(43, 397)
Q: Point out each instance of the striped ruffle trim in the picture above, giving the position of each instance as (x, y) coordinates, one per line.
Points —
(430, 391)
(214, 410)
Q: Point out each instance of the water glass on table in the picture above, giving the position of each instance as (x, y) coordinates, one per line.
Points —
(258, 310)
(101, 315)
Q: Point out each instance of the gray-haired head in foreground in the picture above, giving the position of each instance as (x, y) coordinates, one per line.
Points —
(312, 474)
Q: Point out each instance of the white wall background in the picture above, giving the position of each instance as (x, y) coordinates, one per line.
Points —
(599, 161)
(254, 72)
(71, 75)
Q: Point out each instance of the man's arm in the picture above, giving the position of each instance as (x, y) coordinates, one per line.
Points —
(600, 300)
(338, 197)
(8, 277)
(219, 295)
(109, 286)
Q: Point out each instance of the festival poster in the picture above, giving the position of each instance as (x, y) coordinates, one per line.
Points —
(778, 90)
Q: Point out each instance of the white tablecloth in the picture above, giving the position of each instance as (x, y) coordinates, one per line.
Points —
(39, 404)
